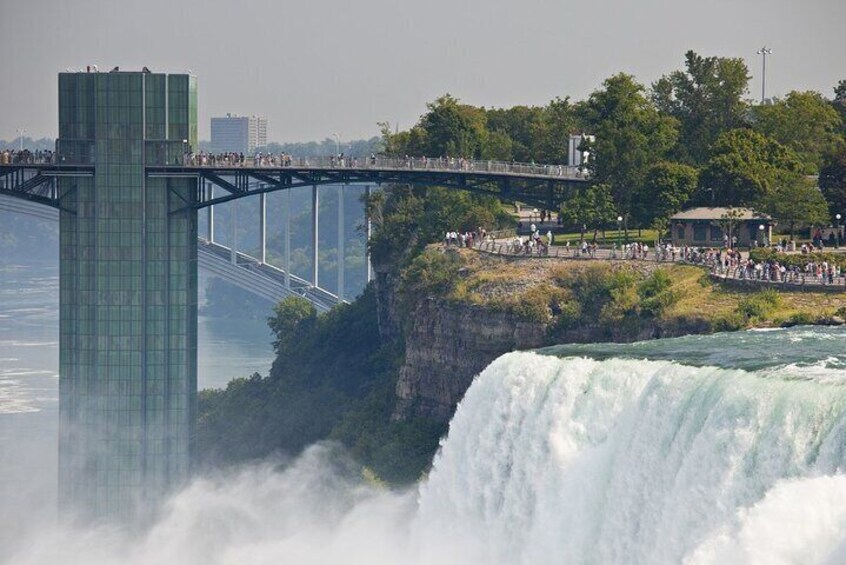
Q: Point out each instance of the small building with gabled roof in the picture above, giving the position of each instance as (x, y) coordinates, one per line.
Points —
(716, 227)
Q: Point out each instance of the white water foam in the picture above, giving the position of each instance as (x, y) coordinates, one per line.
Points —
(579, 461)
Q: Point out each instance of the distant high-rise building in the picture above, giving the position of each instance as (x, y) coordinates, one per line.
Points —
(238, 134)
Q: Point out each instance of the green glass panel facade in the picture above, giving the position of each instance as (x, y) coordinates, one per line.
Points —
(128, 284)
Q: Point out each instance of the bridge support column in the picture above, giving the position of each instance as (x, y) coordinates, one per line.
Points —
(315, 205)
(288, 239)
(263, 226)
(341, 242)
(210, 189)
(234, 251)
(368, 232)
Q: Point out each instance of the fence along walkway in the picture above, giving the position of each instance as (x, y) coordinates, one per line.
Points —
(756, 275)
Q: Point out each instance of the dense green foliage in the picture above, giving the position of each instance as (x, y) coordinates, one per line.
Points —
(693, 138)
(332, 379)
(746, 166)
(630, 136)
(666, 188)
(619, 299)
(706, 99)
(805, 122)
(833, 181)
(406, 219)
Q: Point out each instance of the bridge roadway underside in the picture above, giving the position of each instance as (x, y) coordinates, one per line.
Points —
(37, 182)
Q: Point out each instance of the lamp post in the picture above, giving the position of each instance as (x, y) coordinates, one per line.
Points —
(761, 232)
(837, 244)
(535, 216)
(764, 51)
(21, 132)
(619, 228)
(184, 152)
(337, 144)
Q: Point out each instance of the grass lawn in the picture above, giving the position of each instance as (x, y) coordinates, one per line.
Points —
(611, 236)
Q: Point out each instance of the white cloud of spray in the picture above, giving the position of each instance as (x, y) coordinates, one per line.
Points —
(313, 511)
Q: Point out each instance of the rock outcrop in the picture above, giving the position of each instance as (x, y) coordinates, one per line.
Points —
(446, 345)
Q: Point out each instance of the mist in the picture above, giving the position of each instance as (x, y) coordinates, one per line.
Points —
(316, 509)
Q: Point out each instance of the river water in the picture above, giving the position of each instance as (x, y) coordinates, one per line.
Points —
(722, 449)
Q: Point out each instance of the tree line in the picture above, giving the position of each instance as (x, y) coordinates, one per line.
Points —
(691, 138)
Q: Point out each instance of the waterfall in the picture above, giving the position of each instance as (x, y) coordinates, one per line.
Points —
(627, 461)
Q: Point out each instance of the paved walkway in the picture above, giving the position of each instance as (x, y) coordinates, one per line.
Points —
(749, 277)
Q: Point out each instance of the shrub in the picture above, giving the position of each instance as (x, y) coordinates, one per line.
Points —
(759, 305)
(800, 319)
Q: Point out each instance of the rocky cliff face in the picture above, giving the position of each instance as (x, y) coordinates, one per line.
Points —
(446, 345)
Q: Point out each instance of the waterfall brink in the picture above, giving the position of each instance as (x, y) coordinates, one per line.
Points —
(574, 460)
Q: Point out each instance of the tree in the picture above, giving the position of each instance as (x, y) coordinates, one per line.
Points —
(839, 103)
(706, 99)
(796, 201)
(593, 207)
(551, 132)
(727, 222)
(833, 181)
(453, 129)
(289, 315)
(668, 186)
(803, 121)
(517, 124)
(744, 168)
(630, 136)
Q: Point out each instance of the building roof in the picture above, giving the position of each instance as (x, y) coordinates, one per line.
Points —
(704, 213)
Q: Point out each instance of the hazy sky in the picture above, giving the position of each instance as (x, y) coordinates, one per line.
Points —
(315, 67)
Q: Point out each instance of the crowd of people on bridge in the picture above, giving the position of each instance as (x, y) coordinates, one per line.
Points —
(341, 160)
(27, 157)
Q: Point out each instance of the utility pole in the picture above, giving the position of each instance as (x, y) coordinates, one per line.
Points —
(764, 51)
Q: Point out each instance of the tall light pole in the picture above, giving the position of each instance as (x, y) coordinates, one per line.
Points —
(337, 143)
(21, 132)
(838, 216)
(619, 228)
(764, 51)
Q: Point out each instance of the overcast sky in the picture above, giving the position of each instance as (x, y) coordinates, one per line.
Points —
(316, 67)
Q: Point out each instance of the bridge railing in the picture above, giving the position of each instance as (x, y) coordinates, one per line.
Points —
(384, 163)
(169, 153)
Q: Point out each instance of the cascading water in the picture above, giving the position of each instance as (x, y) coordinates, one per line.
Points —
(709, 450)
(630, 461)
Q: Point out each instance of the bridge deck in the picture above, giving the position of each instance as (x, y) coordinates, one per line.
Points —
(539, 185)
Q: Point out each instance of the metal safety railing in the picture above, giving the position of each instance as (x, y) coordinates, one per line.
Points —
(169, 153)
(446, 164)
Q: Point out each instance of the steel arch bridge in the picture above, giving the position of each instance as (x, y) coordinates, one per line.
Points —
(542, 186)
